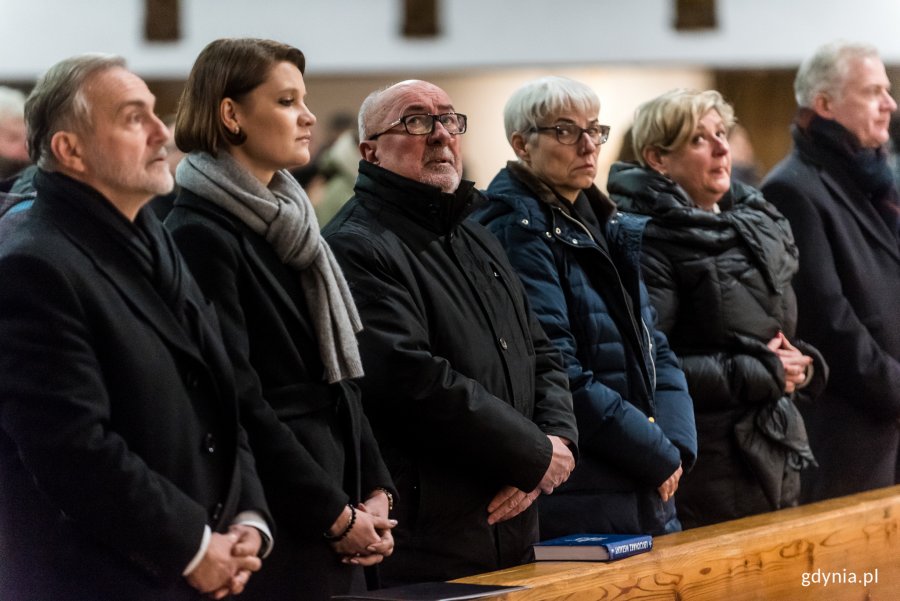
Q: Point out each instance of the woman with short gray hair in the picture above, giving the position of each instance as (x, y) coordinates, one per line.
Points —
(577, 258)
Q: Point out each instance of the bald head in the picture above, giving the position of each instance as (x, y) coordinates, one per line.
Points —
(432, 158)
(375, 108)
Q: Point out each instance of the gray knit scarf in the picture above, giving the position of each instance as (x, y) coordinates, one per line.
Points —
(283, 215)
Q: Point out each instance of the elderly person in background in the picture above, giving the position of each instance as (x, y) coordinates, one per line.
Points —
(578, 260)
(249, 234)
(837, 190)
(464, 391)
(13, 153)
(718, 260)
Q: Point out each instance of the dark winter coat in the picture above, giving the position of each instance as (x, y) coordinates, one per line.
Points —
(721, 285)
(848, 289)
(634, 414)
(314, 449)
(462, 386)
(119, 436)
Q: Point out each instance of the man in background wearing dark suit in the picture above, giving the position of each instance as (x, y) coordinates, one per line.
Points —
(838, 191)
(124, 472)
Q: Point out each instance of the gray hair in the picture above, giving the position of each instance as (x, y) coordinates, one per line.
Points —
(12, 103)
(827, 69)
(538, 100)
(58, 101)
(366, 109)
(668, 121)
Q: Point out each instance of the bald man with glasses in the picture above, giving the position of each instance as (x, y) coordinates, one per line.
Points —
(465, 393)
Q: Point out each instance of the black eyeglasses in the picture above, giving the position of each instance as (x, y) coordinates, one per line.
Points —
(423, 124)
(569, 133)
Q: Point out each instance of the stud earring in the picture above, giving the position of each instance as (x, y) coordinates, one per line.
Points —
(237, 130)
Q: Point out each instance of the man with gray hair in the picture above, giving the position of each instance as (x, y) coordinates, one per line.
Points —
(125, 474)
(465, 393)
(838, 192)
(13, 153)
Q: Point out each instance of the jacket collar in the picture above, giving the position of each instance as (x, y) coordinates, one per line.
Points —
(603, 207)
(425, 204)
(863, 212)
(70, 205)
(256, 249)
(830, 148)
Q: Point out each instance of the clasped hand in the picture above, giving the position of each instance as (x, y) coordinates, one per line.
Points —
(795, 363)
(667, 489)
(370, 539)
(511, 501)
(228, 563)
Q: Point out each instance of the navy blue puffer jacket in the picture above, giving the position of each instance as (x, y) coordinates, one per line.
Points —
(635, 417)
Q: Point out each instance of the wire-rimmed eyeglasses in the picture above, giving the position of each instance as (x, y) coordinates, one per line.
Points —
(569, 133)
(422, 124)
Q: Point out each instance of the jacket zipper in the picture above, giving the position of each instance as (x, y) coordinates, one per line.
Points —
(651, 372)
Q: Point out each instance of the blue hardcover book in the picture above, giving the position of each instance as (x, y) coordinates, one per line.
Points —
(592, 547)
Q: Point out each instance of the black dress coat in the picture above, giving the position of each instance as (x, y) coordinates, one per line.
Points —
(119, 435)
(848, 289)
(314, 448)
(462, 386)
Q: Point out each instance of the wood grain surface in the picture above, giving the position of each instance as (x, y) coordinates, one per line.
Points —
(777, 555)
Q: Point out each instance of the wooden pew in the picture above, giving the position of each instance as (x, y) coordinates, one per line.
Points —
(768, 556)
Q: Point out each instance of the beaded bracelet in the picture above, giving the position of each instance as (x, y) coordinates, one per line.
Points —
(388, 494)
(346, 531)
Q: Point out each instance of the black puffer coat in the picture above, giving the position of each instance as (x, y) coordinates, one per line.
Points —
(721, 285)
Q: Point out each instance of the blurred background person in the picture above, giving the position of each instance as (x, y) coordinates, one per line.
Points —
(718, 260)
(744, 167)
(339, 163)
(626, 151)
(249, 234)
(839, 193)
(313, 181)
(13, 152)
(578, 260)
(162, 203)
(894, 147)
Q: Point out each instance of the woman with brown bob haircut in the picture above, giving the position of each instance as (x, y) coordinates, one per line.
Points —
(249, 234)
